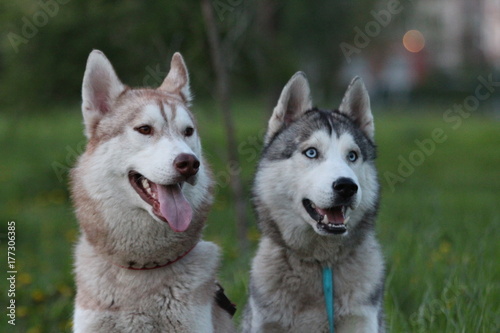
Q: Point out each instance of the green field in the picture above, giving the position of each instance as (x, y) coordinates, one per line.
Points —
(438, 224)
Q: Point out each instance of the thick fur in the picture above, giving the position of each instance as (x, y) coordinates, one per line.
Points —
(286, 291)
(120, 230)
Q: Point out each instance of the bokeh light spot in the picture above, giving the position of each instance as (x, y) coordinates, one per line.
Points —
(414, 41)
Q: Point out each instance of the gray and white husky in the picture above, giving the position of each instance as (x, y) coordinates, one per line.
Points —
(316, 195)
(141, 192)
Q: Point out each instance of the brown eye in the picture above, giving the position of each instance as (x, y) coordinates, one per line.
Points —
(145, 129)
(188, 131)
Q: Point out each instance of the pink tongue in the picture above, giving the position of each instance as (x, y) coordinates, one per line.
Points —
(334, 216)
(174, 207)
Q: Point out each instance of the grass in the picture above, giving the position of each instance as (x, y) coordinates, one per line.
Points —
(438, 225)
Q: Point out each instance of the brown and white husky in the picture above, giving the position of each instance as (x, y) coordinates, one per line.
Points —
(141, 192)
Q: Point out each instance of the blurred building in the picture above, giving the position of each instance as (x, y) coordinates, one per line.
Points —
(490, 34)
(432, 43)
(458, 32)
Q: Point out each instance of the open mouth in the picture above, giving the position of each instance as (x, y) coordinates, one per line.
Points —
(168, 201)
(331, 220)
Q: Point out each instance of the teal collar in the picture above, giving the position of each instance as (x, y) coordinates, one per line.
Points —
(328, 289)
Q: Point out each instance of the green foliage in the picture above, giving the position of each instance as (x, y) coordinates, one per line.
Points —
(49, 65)
(45, 44)
(438, 228)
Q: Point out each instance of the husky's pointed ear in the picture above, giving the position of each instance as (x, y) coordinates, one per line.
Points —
(294, 101)
(177, 80)
(100, 89)
(356, 104)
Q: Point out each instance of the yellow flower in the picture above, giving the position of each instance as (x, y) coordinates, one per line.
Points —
(65, 290)
(22, 311)
(66, 326)
(444, 247)
(34, 330)
(253, 234)
(38, 295)
(24, 279)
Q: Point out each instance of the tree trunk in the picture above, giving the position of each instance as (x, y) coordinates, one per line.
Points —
(223, 94)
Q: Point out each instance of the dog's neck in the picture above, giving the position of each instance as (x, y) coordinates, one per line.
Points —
(155, 265)
(312, 247)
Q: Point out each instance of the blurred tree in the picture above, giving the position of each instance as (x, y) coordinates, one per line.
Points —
(219, 56)
(134, 34)
(45, 43)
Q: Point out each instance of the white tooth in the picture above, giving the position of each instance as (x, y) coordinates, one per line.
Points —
(313, 205)
(145, 183)
(346, 220)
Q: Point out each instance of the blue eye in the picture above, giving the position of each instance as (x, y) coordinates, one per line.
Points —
(311, 153)
(352, 156)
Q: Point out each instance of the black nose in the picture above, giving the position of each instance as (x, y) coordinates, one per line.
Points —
(345, 187)
(187, 165)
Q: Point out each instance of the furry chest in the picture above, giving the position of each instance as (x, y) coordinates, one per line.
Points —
(166, 309)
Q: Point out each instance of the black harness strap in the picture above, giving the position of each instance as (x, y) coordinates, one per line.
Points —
(223, 301)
